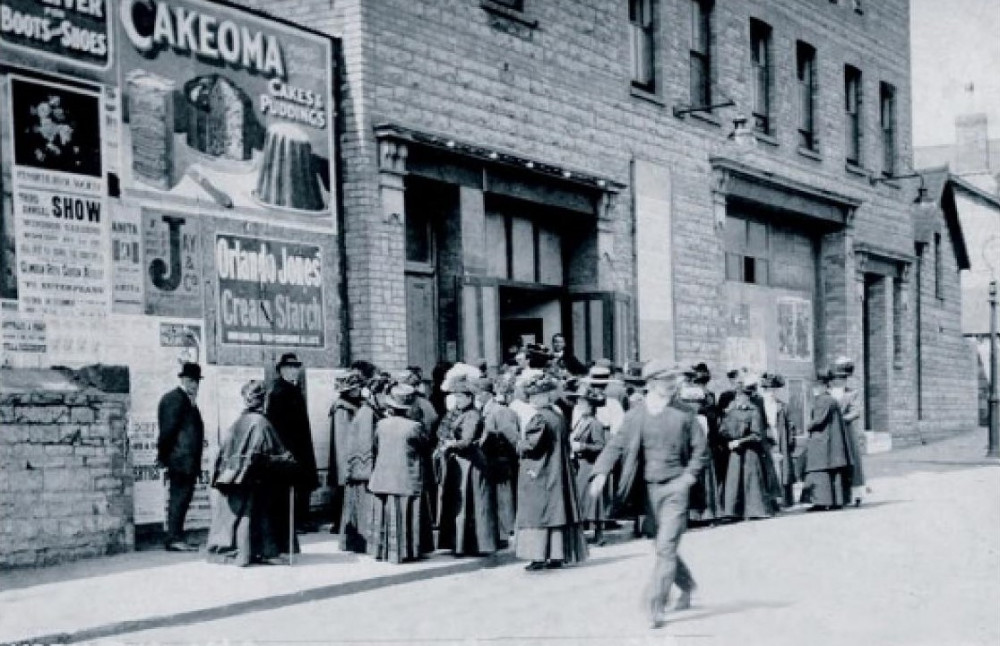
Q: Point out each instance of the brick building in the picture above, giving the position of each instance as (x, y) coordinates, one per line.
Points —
(699, 180)
(651, 177)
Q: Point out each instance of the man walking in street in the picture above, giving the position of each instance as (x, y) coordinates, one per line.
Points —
(667, 443)
(286, 410)
(178, 450)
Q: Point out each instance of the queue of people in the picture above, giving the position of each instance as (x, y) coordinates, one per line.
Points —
(536, 455)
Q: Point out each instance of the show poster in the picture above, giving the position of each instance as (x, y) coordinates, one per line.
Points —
(68, 31)
(227, 111)
(61, 224)
(270, 292)
(172, 258)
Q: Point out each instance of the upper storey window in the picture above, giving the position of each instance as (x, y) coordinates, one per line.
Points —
(643, 43)
(852, 114)
(701, 53)
(760, 59)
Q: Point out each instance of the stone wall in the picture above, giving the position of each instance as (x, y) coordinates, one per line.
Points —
(65, 480)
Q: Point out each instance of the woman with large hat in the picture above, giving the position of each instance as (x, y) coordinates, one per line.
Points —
(345, 406)
(587, 439)
(780, 437)
(501, 432)
(468, 515)
(746, 492)
(246, 476)
(548, 516)
(401, 527)
(828, 462)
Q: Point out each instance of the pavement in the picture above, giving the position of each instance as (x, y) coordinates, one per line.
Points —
(918, 563)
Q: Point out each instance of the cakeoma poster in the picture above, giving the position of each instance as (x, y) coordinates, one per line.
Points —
(227, 111)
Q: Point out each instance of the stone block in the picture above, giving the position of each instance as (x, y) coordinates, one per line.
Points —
(82, 415)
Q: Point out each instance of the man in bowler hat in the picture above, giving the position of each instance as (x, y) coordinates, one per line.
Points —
(286, 410)
(178, 450)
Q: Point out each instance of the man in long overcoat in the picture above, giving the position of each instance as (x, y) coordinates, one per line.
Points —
(666, 444)
(178, 450)
(286, 410)
(828, 463)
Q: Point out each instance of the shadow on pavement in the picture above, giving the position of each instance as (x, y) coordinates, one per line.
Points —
(606, 560)
(731, 608)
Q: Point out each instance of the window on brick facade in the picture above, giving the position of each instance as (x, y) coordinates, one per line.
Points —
(805, 62)
(760, 58)
(643, 43)
(887, 118)
(852, 112)
(746, 251)
(938, 268)
(701, 52)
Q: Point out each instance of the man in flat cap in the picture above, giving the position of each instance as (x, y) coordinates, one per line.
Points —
(669, 445)
(178, 450)
(286, 410)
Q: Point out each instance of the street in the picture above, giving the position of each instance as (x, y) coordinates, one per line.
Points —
(919, 563)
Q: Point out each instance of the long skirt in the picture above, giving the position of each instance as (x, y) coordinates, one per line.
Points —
(401, 528)
(705, 497)
(592, 508)
(747, 493)
(356, 521)
(506, 489)
(828, 488)
(565, 543)
(241, 531)
(468, 515)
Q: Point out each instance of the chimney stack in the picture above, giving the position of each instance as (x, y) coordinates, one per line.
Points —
(972, 152)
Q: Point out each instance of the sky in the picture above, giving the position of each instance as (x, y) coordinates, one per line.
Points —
(954, 43)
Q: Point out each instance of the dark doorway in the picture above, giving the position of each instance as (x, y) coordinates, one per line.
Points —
(520, 332)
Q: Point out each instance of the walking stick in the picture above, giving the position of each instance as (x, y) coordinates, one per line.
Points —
(291, 525)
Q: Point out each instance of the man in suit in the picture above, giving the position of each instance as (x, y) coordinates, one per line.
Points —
(286, 410)
(670, 448)
(563, 357)
(178, 449)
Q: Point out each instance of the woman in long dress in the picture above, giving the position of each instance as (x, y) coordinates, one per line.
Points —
(468, 514)
(849, 400)
(828, 463)
(251, 460)
(401, 527)
(499, 444)
(359, 504)
(780, 437)
(746, 493)
(549, 533)
(587, 440)
(704, 501)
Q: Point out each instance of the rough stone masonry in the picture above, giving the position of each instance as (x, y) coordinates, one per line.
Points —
(65, 481)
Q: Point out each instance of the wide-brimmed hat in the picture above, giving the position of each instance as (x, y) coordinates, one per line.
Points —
(599, 373)
(539, 384)
(771, 380)
(401, 397)
(691, 393)
(594, 395)
(190, 370)
(825, 376)
(700, 374)
(289, 359)
(843, 367)
(661, 369)
(632, 373)
(464, 385)
(349, 381)
(253, 392)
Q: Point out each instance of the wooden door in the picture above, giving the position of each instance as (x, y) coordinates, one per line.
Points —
(421, 321)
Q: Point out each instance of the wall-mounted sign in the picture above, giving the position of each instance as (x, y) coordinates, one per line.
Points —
(73, 31)
(227, 110)
(270, 292)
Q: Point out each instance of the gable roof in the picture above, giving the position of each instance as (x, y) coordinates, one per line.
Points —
(941, 186)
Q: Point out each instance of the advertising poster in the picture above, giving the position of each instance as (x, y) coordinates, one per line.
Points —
(227, 111)
(126, 260)
(172, 257)
(270, 292)
(77, 32)
(25, 341)
(153, 349)
(795, 329)
(59, 205)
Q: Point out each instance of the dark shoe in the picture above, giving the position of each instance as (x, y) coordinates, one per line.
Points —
(554, 564)
(179, 546)
(818, 508)
(535, 566)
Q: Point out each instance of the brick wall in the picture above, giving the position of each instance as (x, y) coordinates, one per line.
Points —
(65, 479)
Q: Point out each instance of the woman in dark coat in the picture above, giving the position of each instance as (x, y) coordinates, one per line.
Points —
(401, 527)
(849, 400)
(828, 464)
(704, 500)
(780, 437)
(746, 493)
(356, 519)
(499, 443)
(468, 515)
(342, 413)
(549, 533)
(587, 440)
(251, 459)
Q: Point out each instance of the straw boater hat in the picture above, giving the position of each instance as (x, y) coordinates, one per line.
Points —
(401, 397)
(661, 369)
(691, 393)
(594, 395)
(599, 373)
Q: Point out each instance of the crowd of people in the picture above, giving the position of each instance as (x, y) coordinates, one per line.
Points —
(545, 454)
